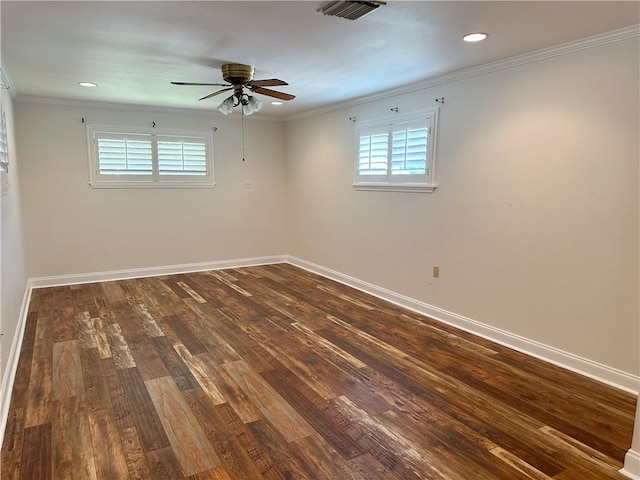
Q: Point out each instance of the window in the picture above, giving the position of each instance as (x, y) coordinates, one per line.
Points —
(4, 155)
(120, 158)
(397, 154)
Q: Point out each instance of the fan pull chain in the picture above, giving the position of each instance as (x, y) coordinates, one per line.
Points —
(243, 135)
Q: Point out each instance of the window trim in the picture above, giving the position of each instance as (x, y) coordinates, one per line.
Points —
(399, 183)
(155, 180)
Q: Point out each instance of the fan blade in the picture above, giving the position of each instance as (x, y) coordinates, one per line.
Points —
(270, 82)
(216, 93)
(273, 93)
(202, 84)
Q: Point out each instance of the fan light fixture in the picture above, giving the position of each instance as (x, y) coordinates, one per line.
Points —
(239, 78)
(250, 104)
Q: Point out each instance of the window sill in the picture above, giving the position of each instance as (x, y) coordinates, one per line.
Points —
(400, 187)
(150, 185)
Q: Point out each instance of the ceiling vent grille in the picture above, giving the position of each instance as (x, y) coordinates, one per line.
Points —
(351, 10)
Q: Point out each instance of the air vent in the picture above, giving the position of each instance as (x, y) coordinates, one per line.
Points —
(351, 10)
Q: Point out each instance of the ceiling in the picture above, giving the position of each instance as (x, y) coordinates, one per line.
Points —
(133, 50)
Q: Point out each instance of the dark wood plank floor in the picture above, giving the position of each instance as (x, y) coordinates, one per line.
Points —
(273, 372)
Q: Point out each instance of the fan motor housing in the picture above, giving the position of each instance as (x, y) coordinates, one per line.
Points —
(237, 74)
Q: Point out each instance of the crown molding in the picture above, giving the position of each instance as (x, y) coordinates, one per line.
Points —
(139, 108)
(619, 35)
(7, 81)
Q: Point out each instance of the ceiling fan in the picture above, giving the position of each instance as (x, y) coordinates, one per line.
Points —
(239, 78)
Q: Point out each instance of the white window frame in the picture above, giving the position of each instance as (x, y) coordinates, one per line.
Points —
(388, 181)
(155, 179)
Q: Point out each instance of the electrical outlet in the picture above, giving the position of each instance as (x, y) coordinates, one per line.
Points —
(436, 271)
(247, 184)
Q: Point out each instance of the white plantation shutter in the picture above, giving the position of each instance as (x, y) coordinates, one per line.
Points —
(396, 153)
(4, 155)
(131, 155)
(149, 158)
(4, 145)
(184, 157)
(373, 151)
(409, 149)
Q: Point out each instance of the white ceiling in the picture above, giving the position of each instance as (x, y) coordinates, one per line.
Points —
(134, 49)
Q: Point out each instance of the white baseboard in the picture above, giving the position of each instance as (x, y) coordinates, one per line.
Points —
(603, 373)
(12, 362)
(74, 279)
(631, 465)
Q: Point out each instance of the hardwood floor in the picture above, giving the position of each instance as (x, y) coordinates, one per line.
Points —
(273, 372)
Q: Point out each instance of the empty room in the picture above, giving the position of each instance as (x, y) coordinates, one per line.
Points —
(320, 240)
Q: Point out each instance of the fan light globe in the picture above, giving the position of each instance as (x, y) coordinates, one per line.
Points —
(226, 107)
(252, 105)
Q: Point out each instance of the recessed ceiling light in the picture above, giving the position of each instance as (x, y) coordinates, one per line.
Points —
(277, 103)
(87, 84)
(474, 37)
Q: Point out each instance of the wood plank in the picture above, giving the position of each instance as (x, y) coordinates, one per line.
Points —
(147, 321)
(37, 451)
(29, 338)
(202, 373)
(122, 356)
(185, 334)
(192, 293)
(134, 456)
(67, 370)
(240, 453)
(146, 357)
(163, 464)
(101, 339)
(279, 452)
(256, 451)
(143, 413)
(320, 414)
(87, 336)
(38, 407)
(230, 390)
(190, 444)
(96, 390)
(109, 455)
(173, 363)
(71, 444)
(11, 459)
(117, 396)
(44, 329)
(269, 402)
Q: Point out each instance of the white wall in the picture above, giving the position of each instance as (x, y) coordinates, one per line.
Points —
(72, 228)
(13, 275)
(535, 221)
